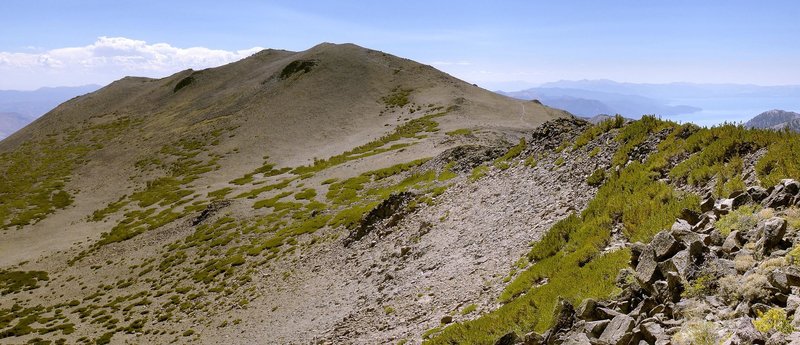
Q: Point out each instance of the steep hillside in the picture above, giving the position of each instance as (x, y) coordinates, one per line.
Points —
(188, 208)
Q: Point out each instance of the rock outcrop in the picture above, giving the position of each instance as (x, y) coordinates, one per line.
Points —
(697, 283)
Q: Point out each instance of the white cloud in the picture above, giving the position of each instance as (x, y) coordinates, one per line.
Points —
(105, 60)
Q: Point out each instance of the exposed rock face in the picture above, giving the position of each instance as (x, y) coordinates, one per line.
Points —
(390, 210)
(692, 287)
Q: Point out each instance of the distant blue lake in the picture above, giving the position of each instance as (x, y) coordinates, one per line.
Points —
(732, 109)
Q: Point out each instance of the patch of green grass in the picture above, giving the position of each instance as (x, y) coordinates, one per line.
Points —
(559, 161)
(16, 281)
(503, 162)
(398, 98)
(412, 129)
(469, 309)
(595, 131)
(742, 219)
(462, 131)
(219, 194)
(478, 172)
(781, 161)
(596, 178)
(306, 194)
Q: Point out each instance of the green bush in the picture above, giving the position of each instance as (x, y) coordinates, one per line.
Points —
(774, 319)
(596, 178)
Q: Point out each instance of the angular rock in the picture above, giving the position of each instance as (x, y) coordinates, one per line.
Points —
(792, 303)
(618, 331)
(664, 245)
(707, 204)
(576, 338)
(739, 198)
(679, 263)
(777, 338)
(680, 228)
(747, 333)
(792, 275)
(607, 313)
(778, 198)
(652, 332)
(690, 216)
(790, 186)
(779, 281)
(587, 310)
(770, 233)
(701, 223)
(595, 328)
(732, 243)
(643, 307)
(647, 267)
(757, 193)
(723, 206)
(533, 338)
(508, 339)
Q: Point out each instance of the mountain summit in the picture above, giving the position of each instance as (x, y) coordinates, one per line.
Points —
(184, 194)
(776, 119)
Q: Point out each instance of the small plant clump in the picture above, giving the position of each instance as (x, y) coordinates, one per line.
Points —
(774, 319)
(596, 178)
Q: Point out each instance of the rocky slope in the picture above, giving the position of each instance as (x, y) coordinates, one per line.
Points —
(776, 119)
(218, 205)
(725, 276)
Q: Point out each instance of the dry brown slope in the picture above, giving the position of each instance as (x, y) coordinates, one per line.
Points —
(334, 107)
(208, 128)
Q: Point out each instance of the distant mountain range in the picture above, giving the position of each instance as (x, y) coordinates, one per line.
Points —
(776, 119)
(19, 108)
(589, 103)
(705, 104)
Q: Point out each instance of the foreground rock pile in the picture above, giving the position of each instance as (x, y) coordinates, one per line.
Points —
(707, 280)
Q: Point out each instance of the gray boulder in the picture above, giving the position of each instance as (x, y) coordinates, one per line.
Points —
(653, 332)
(618, 331)
(732, 242)
(740, 198)
(647, 267)
(576, 338)
(757, 193)
(679, 263)
(664, 245)
(596, 328)
(770, 232)
(723, 206)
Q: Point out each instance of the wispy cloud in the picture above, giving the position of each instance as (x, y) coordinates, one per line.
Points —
(108, 58)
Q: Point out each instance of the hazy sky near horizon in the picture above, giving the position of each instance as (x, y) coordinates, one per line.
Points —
(499, 44)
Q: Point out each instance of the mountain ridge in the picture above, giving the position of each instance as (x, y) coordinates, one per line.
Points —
(776, 119)
(339, 195)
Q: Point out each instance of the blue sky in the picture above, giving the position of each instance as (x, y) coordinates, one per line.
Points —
(498, 44)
